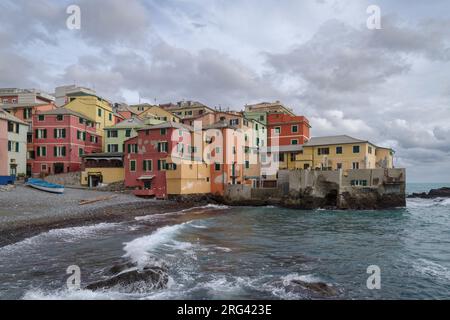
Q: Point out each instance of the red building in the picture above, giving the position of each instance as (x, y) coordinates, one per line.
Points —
(145, 158)
(61, 137)
(289, 130)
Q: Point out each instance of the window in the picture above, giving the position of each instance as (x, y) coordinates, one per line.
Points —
(41, 133)
(113, 148)
(188, 113)
(180, 148)
(322, 151)
(370, 150)
(257, 142)
(43, 167)
(306, 166)
(27, 113)
(128, 133)
(338, 150)
(113, 133)
(281, 157)
(261, 118)
(110, 117)
(59, 133)
(161, 165)
(247, 164)
(234, 122)
(294, 129)
(80, 152)
(10, 126)
(41, 117)
(132, 165)
(217, 166)
(277, 130)
(147, 165)
(358, 183)
(59, 152)
(171, 166)
(355, 165)
(338, 165)
(99, 112)
(132, 148)
(59, 117)
(81, 120)
(293, 157)
(163, 146)
(234, 149)
(41, 151)
(356, 149)
(294, 142)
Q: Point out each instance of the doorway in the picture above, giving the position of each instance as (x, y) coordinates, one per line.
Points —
(58, 168)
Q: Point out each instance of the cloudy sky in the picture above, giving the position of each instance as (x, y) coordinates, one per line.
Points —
(391, 86)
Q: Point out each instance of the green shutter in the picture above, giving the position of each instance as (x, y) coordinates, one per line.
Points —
(38, 151)
(55, 133)
(55, 150)
(145, 165)
(63, 151)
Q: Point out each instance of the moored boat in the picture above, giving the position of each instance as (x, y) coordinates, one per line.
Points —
(45, 186)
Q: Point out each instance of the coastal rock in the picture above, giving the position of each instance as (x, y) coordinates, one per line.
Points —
(134, 280)
(319, 288)
(434, 193)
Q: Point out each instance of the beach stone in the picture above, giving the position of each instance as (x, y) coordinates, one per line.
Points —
(319, 288)
(135, 280)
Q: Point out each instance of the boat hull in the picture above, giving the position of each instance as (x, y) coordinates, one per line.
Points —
(46, 189)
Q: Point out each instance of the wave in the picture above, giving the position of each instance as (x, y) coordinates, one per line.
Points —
(64, 235)
(139, 250)
(427, 203)
(308, 278)
(154, 217)
(433, 269)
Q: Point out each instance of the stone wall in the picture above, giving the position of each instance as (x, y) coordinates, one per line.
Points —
(66, 179)
(310, 189)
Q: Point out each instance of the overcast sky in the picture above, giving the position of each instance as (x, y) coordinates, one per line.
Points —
(390, 86)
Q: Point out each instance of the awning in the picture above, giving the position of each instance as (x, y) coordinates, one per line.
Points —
(146, 178)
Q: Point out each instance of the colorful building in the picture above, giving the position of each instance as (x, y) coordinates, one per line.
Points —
(95, 108)
(269, 107)
(187, 109)
(102, 168)
(116, 135)
(154, 114)
(61, 137)
(343, 152)
(62, 93)
(13, 145)
(158, 162)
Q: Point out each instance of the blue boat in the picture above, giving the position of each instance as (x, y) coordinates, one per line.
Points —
(45, 186)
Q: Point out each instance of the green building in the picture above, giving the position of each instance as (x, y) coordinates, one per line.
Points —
(115, 136)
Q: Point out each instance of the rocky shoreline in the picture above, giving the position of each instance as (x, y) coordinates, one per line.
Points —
(28, 212)
(433, 194)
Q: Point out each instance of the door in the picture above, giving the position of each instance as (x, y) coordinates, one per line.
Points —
(13, 170)
(58, 168)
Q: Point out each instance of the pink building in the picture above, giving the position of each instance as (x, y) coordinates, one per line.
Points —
(61, 137)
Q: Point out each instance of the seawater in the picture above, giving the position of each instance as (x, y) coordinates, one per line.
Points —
(216, 252)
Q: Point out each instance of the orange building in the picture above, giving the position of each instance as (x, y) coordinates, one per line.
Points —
(289, 130)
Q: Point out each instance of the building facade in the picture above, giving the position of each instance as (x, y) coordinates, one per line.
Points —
(3, 144)
(61, 138)
(116, 135)
(17, 146)
(343, 152)
(95, 108)
(102, 168)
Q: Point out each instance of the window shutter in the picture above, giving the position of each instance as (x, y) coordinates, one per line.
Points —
(44, 151)
(55, 133)
(64, 133)
(109, 148)
(63, 151)
(45, 133)
(17, 147)
(145, 165)
(38, 151)
(36, 133)
(129, 148)
(55, 151)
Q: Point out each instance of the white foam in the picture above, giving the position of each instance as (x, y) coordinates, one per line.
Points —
(63, 235)
(38, 294)
(139, 250)
(430, 268)
(308, 278)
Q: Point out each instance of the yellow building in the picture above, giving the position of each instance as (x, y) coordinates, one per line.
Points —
(94, 108)
(102, 168)
(342, 152)
(156, 113)
(188, 177)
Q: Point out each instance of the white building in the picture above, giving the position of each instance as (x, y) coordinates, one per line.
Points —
(62, 92)
(17, 145)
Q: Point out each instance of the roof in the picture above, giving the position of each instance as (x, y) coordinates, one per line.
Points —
(64, 111)
(167, 125)
(8, 106)
(332, 140)
(220, 125)
(9, 117)
(128, 123)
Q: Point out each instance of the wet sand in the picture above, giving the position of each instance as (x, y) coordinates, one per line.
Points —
(25, 212)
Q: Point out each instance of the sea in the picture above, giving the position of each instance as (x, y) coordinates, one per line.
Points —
(219, 252)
